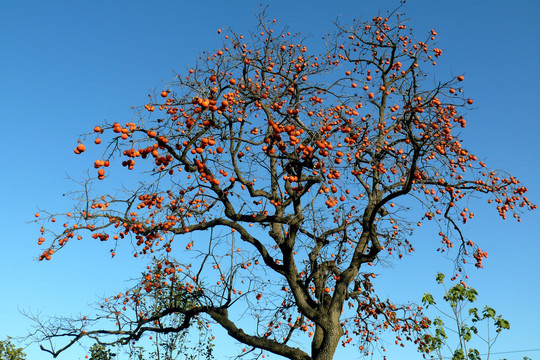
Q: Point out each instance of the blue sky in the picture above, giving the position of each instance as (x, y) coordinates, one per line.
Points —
(69, 65)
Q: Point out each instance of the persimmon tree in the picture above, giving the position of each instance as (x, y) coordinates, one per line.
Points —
(279, 178)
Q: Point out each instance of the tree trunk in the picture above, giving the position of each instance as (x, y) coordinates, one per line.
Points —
(326, 341)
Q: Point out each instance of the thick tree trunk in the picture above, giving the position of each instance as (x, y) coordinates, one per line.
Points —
(326, 341)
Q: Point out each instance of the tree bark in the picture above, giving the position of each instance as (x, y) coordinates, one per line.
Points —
(326, 337)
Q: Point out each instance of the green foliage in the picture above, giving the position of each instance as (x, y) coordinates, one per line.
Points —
(100, 352)
(458, 294)
(439, 278)
(458, 297)
(8, 351)
(428, 299)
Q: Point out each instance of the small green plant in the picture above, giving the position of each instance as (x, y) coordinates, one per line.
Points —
(8, 351)
(465, 324)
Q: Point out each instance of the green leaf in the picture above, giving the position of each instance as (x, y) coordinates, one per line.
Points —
(489, 312)
(501, 323)
(439, 278)
(474, 313)
(474, 354)
(440, 333)
(438, 322)
(427, 299)
(458, 355)
(471, 294)
(465, 333)
(455, 294)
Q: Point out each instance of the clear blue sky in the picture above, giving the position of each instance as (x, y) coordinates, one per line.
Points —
(69, 65)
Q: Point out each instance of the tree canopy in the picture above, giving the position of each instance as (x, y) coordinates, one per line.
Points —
(270, 181)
